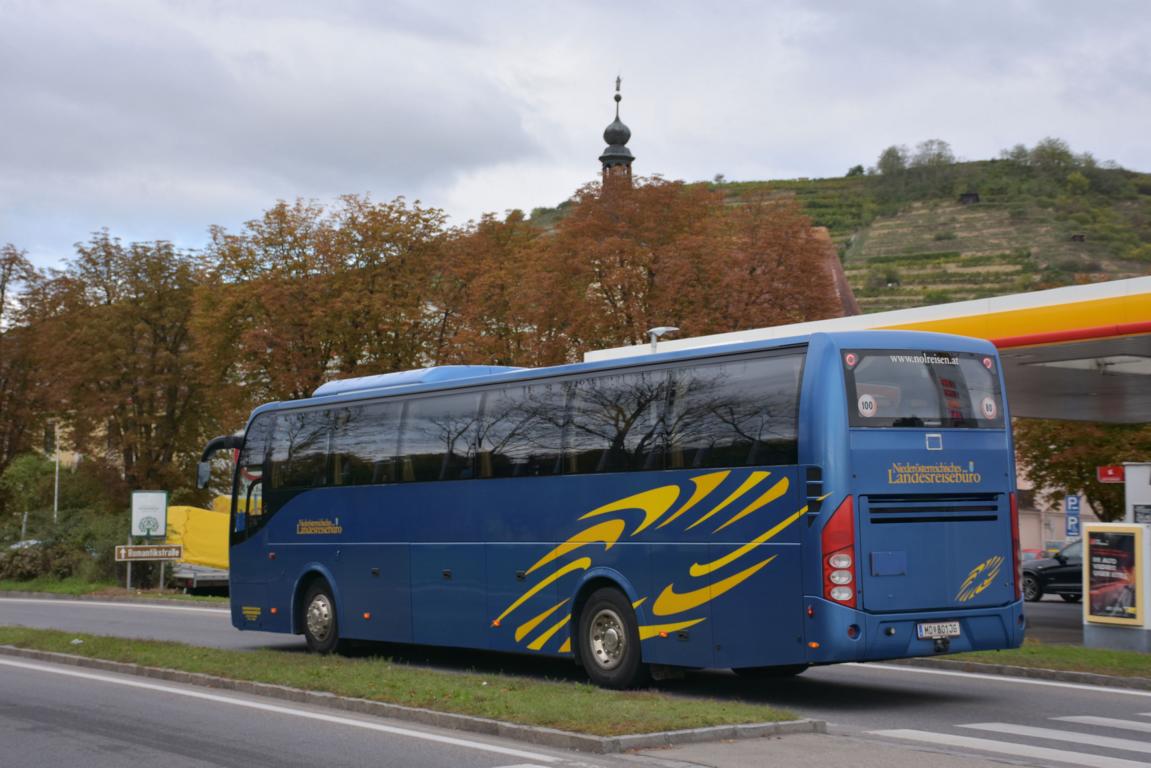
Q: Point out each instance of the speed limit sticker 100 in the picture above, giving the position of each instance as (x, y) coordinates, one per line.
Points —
(867, 406)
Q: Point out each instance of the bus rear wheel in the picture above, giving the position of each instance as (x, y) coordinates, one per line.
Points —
(321, 630)
(609, 641)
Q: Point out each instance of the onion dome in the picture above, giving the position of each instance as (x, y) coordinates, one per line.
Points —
(616, 135)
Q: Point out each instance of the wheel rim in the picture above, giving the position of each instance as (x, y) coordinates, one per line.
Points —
(607, 639)
(320, 618)
(1030, 588)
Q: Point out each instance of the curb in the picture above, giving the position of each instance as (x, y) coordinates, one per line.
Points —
(548, 737)
(1031, 673)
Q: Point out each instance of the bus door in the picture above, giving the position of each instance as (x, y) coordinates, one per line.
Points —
(930, 455)
(248, 572)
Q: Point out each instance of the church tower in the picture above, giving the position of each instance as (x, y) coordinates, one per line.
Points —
(616, 157)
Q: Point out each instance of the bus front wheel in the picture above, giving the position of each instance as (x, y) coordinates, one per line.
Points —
(321, 630)
(609, 641)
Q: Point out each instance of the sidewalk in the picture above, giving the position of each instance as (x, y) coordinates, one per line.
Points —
(805, 751)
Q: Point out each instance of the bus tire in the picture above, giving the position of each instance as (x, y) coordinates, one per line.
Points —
(321, 629)
(609, 646)
(771, 673)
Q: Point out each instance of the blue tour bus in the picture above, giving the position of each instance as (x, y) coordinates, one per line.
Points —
(760, 506)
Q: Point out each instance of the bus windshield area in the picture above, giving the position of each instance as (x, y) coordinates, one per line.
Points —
(910, 388)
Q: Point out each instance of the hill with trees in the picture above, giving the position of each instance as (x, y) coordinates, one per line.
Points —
(922, 228)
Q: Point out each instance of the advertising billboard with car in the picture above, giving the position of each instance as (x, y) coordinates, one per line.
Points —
(1112, 574)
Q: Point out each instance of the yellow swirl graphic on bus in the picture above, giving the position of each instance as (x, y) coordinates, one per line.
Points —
(981, 577)
(655, 509)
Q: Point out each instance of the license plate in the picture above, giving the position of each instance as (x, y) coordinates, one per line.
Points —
(936, 629)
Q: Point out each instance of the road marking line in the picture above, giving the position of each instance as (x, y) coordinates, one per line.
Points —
(107, 604)
(1107, 742)
(1008, 748)
(1107, 722)
(193, 694)
(1000, 678)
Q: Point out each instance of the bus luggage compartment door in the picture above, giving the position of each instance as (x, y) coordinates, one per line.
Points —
(935, 551)
(935, 530)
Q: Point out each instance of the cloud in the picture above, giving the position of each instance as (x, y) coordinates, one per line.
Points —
(160, 119)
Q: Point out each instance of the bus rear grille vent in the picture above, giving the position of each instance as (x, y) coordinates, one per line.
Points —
(886, 509)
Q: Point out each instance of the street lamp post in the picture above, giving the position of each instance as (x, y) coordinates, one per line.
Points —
(56, 490)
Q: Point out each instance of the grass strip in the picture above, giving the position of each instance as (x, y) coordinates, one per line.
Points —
(70, 586)
(568, 706)
(1070, 658)
(79, 587)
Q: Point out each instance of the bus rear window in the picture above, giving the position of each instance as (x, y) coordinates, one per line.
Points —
(910, 388)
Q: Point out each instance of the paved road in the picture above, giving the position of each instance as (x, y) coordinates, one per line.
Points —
(880, 706)
(1054, 620)
(52, 715)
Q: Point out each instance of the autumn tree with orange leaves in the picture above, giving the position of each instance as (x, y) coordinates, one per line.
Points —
(305, 294)
(143, 351)
(114, 355)
(628, 258)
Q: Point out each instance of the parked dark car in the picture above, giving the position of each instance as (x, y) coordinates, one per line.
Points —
(1060, 574)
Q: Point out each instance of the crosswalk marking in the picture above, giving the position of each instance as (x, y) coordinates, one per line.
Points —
(1009, 748)
(1107, 742)
(1107, 722)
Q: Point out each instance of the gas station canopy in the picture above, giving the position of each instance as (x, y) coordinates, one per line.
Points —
(1081, 353)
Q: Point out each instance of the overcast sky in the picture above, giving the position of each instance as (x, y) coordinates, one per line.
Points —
(157, 119)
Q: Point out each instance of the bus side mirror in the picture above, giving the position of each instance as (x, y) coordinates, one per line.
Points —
(203, 474)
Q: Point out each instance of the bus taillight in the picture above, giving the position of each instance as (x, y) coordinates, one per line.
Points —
(838, 540)
(1015, 547)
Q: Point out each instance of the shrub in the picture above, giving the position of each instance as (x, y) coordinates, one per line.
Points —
(1140, 253)
(878, 279)
(49, 559)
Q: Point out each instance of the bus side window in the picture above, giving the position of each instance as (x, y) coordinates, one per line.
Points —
(437, 439)
(736, 414)
(616, 423)
(248, 508)
(520, 431)
(298, 459)
(364, 443)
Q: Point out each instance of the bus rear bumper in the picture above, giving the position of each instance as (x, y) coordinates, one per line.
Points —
(836, 633)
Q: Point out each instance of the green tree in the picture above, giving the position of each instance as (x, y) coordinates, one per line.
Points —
(1077, 183)
(27, 487)
(1060, 460)
(21, 393)
(1052, 157)
(893, 161)
(932, 153)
